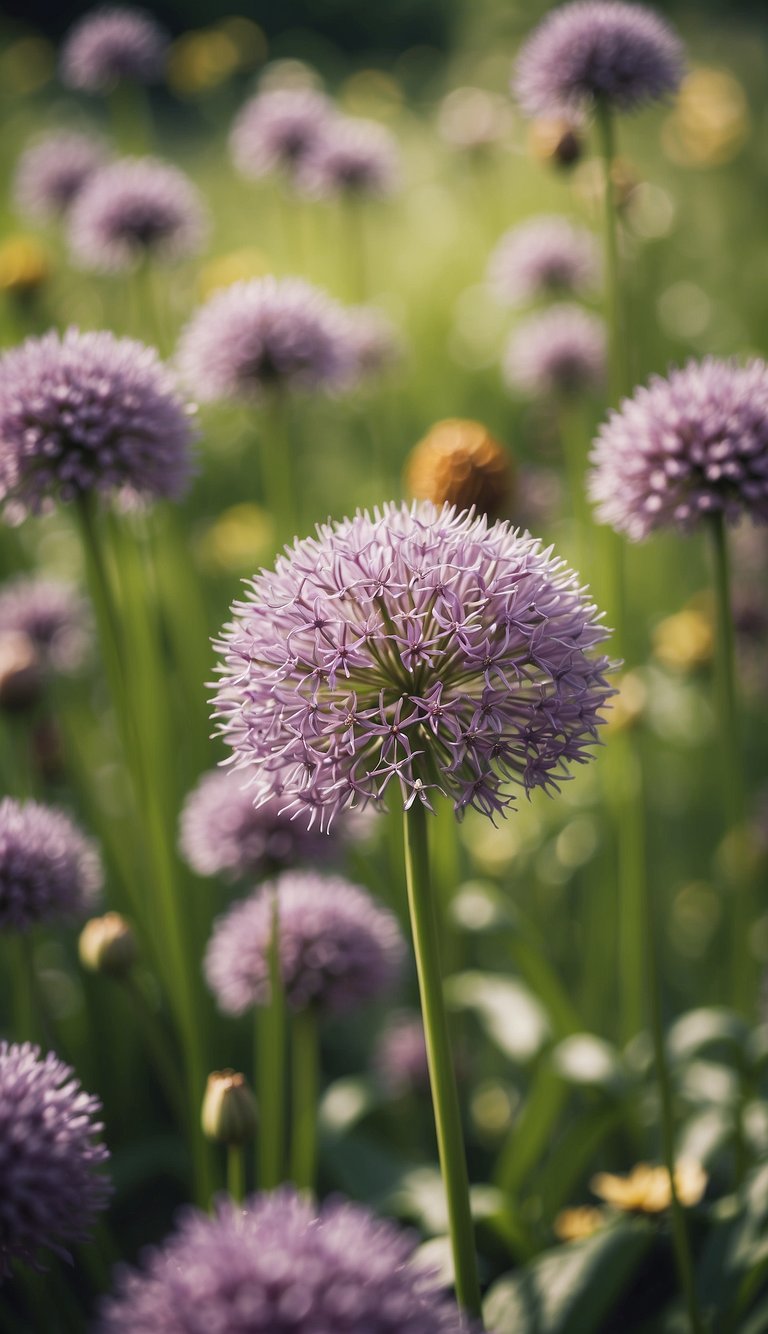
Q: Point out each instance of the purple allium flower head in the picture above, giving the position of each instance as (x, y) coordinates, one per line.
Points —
(108, 45)
(690, 445)
(266, 334)
(223, 833)
(544, 256)
(377, 346)
(400, 1058)
(280, 1264)
(89, 412)
(134, 209)
(277, 128)
(51, 1189)
(48, 868)
(356, 157)
(52, 614)
(52, 171)
(338, 946)
(414, 644)
(561, 350)
(595, 51)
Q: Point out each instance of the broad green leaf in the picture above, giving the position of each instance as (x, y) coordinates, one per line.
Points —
(512, 1017)
(586, 1059)
(704, 1030)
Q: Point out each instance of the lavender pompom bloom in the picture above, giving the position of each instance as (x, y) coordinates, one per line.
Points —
(685, 447)
(223, 833)
(598, 51)
(545, 256)
(414, 644)
(277, 128)
(52, 615)
(279, 1264)
(48, 869)
(338, 946)
(89, 412)
(52, 171)
(108, 45)
(135, 209)
(355, 157)
(51, 1189)
(400, 1059)
(561, 350)
(266, 334)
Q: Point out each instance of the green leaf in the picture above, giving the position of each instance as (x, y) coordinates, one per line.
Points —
(571, 1288)
(531, 1130)
(737, 1247)
(586, 1059)
(716, 1031)
(513, 1018)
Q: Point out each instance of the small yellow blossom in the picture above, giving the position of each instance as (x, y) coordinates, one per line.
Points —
(238, 540)
(576, 1224)
(685, 641)
(24, 264)
(647, 1190)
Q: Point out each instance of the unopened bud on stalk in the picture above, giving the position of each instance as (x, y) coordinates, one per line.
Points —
(460, 463)
(229, 1109)
(108, 945)
(20, 678)
(556, 141)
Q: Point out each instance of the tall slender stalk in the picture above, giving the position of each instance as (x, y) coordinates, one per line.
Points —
(236, 1172)
(304, 1084)
(270, 1067)
(278, 467)
(445, 1100)
(731, 762)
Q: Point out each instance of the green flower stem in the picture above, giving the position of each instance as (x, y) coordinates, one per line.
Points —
(277, 467)
(573, 439)
(131, 117)
(236, 1172)
(679, 1228)
(445, 1099)
(26, 1020)
(161, 1051)
(305, 1091)
(731, 766)
(354, 248)
(270, 1068)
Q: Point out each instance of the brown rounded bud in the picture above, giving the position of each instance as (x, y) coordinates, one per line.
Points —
(229, 1109)
(108, 945)
(556, 141)
(460, 463)
(20, 675)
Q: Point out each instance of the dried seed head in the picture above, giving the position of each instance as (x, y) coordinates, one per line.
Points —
(459, 463)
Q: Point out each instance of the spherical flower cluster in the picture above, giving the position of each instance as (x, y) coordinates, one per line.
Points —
(277, 128)
(89, 412)
(135, 209)
(598, 51)
(414, 644)
(458, 462)
(108, 45)
(356, 157)
(52, 615)
(376, 344)
(48, 868)
(50, 1187)
(223, 833)
(52, 171)
(544, 256)
(561, 350)
(685, 447)
(400, 1060)
(338, 947)
(267, 334)
(279, 1264)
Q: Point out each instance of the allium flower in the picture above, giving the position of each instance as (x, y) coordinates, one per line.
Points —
(223, 833)
(52, 614)
(134, 209)
(108, 45)
(48, 868)
(52, 171)
(544, 256)
(50, 1187)
(338, 946)
(89, 412)
(376, 344)
(279, 1264)
(414, 644)
(277, 128)
(684, 447)
(266, 334)
(561, 350)
(356, 157)
(400, 1059)
(598, 51)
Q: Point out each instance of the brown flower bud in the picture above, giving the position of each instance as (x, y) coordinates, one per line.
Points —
(460, 463)
(229, 1109)
(556, 141)
(20, 676)
(108, 945)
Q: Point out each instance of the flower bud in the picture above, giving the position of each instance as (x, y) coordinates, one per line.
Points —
(108, 945)
(556, 141)
(20, 679)
(229, 1108)
(460, 463)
